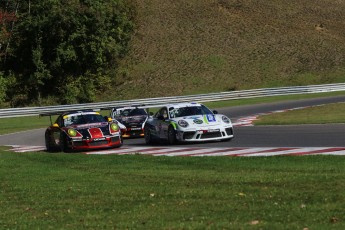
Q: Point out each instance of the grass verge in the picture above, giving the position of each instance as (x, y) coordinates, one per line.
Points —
(73, 191)
(325, 114)
(17, 124)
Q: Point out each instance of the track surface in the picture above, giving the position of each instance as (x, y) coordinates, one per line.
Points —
(303, 137)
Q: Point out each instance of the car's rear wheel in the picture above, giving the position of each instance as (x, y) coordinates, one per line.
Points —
(171, 135)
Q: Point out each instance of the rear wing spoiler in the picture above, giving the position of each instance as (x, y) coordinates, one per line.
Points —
(57, 113)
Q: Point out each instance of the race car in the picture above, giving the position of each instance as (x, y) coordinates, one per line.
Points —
(82, 130)
(131, 120)
(187, 122)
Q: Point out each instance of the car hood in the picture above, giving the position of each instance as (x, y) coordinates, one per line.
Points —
(132, 120)
(201, 120)
(91, 130)
(90, 125)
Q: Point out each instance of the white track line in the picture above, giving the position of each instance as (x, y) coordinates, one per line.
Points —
(199, 151)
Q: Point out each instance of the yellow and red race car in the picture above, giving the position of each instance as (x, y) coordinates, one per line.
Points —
(82, 130)
(131, 120)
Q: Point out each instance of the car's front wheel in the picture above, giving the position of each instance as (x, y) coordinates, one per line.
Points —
(51, 146)
(147, 135)
(64, 143)
(172, 135)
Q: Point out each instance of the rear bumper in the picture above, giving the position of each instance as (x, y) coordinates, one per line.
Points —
(126, 133)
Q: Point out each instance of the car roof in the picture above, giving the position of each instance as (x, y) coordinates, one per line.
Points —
(128, 107)
(183, 104)
(68, 112)
(76, 113)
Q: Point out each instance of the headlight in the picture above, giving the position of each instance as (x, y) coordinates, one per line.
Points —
(183, 123)
(114, 127)
(72, 132)
(226, 119)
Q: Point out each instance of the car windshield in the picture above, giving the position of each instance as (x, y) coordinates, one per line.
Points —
(132, 112)
(189, 111)
(79, 119)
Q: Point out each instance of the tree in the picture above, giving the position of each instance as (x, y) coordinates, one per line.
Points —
(8, 17)
(2, 88)
(60, 44)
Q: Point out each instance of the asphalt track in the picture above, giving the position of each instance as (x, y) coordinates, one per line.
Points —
(332, 135)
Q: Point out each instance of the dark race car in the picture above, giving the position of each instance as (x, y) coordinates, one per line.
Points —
(131, 120)
(82, 130)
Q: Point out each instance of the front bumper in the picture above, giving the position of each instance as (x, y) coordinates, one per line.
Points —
(99, 143)
(205, 135)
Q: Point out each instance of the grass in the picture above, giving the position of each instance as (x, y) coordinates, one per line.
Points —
(73, 191)
(203, 46)
(260, 100)
(17, 124)
(331, 113)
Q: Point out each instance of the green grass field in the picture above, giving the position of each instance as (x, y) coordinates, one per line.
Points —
(202, 46)
(182, 48)
(17, 124)
(326, 114)
(76, 191)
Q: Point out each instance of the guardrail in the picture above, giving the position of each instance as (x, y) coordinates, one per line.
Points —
(222, 96)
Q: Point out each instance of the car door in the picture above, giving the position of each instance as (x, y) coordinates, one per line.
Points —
(160, 122)
(164, 125)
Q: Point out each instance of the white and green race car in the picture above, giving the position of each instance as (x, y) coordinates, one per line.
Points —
(187, 122)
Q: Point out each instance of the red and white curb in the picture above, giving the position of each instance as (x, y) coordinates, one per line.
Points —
(199, 151)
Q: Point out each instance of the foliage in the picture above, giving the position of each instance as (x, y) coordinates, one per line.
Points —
(61, 48)
(2, 88)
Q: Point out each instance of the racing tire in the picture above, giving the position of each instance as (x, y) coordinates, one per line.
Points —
(172, 136)
(51, 146)
(64, 143)
(148, 136)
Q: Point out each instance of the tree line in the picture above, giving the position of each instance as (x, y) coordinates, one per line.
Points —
(60, 50)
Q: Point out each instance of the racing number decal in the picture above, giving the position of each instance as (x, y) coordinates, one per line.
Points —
(210, 118)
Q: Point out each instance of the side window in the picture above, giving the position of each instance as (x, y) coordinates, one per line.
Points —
(59, 121)
(165, 113)
(162, 112)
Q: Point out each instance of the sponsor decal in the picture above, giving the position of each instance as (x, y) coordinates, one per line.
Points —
(197, 121)
(99, 139)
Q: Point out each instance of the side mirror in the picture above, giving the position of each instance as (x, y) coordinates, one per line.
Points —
(55, 125)
(109, 119)
(215, 112)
